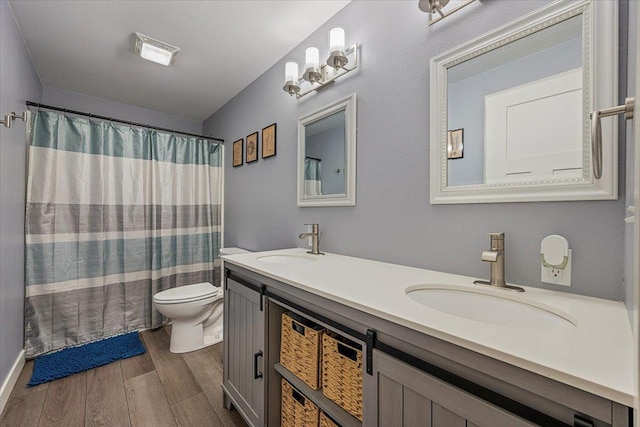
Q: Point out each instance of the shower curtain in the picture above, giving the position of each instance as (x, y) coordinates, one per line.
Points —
(114, 214)
(312, 177)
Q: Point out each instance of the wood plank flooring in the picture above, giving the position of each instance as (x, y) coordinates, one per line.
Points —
(155, 389)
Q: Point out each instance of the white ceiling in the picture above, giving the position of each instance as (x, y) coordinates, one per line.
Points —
(87, 46)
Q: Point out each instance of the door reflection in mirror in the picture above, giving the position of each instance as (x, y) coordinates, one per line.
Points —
(521, 107)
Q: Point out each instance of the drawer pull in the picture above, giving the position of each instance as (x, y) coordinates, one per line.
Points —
(348, 352)
(297, 396)
(298, 328)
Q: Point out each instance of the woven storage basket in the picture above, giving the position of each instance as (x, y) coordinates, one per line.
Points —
(342, 373)
(301, 348)
(297, 410)
(325, 421)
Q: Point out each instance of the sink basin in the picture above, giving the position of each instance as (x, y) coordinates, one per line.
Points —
(489, 307)
(286, 259)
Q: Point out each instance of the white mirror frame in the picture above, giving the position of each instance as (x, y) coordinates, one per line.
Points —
(348, 105)
(600, 89)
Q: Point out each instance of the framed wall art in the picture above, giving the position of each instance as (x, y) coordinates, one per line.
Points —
(238, 152)
(455, 144)
(269, 141)
(252, 147)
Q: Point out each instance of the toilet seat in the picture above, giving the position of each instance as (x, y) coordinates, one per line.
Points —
(188, 293)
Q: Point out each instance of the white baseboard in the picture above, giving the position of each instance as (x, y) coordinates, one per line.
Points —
(10, 382)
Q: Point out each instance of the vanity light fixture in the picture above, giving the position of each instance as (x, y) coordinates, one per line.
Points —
(155, 50)
(316, 75)
(437, 9)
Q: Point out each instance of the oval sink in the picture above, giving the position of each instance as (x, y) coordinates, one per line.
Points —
(286, 259)
(486, 306)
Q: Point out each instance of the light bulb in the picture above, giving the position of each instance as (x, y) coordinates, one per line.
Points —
(312, 65)
(291, 85)
(291, 73)
(336, 40)
(312, 58)
(337, 57)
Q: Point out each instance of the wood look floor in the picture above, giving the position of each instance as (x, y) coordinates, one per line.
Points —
(155, 389)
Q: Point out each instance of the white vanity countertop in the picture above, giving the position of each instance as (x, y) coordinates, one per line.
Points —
(595, 356)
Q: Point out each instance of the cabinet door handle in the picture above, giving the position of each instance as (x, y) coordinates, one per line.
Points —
(256, 374)
(578, 421)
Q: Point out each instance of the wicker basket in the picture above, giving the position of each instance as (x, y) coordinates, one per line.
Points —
(301, 349)
(325, 421)
(297, 410)
(342, 373)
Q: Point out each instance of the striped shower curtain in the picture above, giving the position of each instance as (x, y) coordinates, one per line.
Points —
(312, 177)
(114, 214)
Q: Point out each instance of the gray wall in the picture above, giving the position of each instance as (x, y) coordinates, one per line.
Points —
(466, 101)
(329, 146)
(393, 220)
(91, 104)
(18, 82)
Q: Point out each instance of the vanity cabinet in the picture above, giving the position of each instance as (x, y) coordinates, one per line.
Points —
(244, 334)
(409, 378)
(407, 397)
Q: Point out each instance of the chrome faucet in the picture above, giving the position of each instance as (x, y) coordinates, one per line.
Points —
(495, 256)
(315, 239)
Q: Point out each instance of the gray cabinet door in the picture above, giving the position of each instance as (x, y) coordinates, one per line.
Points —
(244, 332)
(408, 397)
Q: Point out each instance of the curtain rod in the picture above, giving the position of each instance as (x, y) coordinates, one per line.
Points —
(111, 119)
(313, 158)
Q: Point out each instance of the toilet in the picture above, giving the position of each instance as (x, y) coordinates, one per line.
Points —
(195, 312)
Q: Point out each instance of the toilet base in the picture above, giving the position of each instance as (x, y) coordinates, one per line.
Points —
(213, 337)
(186, 337)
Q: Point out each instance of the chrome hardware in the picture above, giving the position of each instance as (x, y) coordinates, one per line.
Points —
(631, 219)
(315, 239)
(495, 256)
(9, 118)
(596, 130)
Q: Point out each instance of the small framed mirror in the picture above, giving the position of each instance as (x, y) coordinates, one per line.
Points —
(327, 155)
(510, 110)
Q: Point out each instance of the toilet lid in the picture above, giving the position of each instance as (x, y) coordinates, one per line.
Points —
(187, 293)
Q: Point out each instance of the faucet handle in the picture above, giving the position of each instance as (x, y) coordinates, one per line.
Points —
(496, 235)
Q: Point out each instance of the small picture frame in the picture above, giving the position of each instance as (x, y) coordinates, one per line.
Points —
(455, 144)
(252, 147)
(238, 152)
(269, 141)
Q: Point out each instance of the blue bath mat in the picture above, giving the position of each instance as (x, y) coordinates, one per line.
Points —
(73, 360)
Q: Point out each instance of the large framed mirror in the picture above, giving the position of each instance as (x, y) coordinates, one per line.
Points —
(327, 155)
(510, 110)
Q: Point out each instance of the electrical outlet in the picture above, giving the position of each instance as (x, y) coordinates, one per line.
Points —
(557, 276)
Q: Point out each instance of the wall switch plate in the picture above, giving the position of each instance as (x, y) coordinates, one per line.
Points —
(557, 276)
